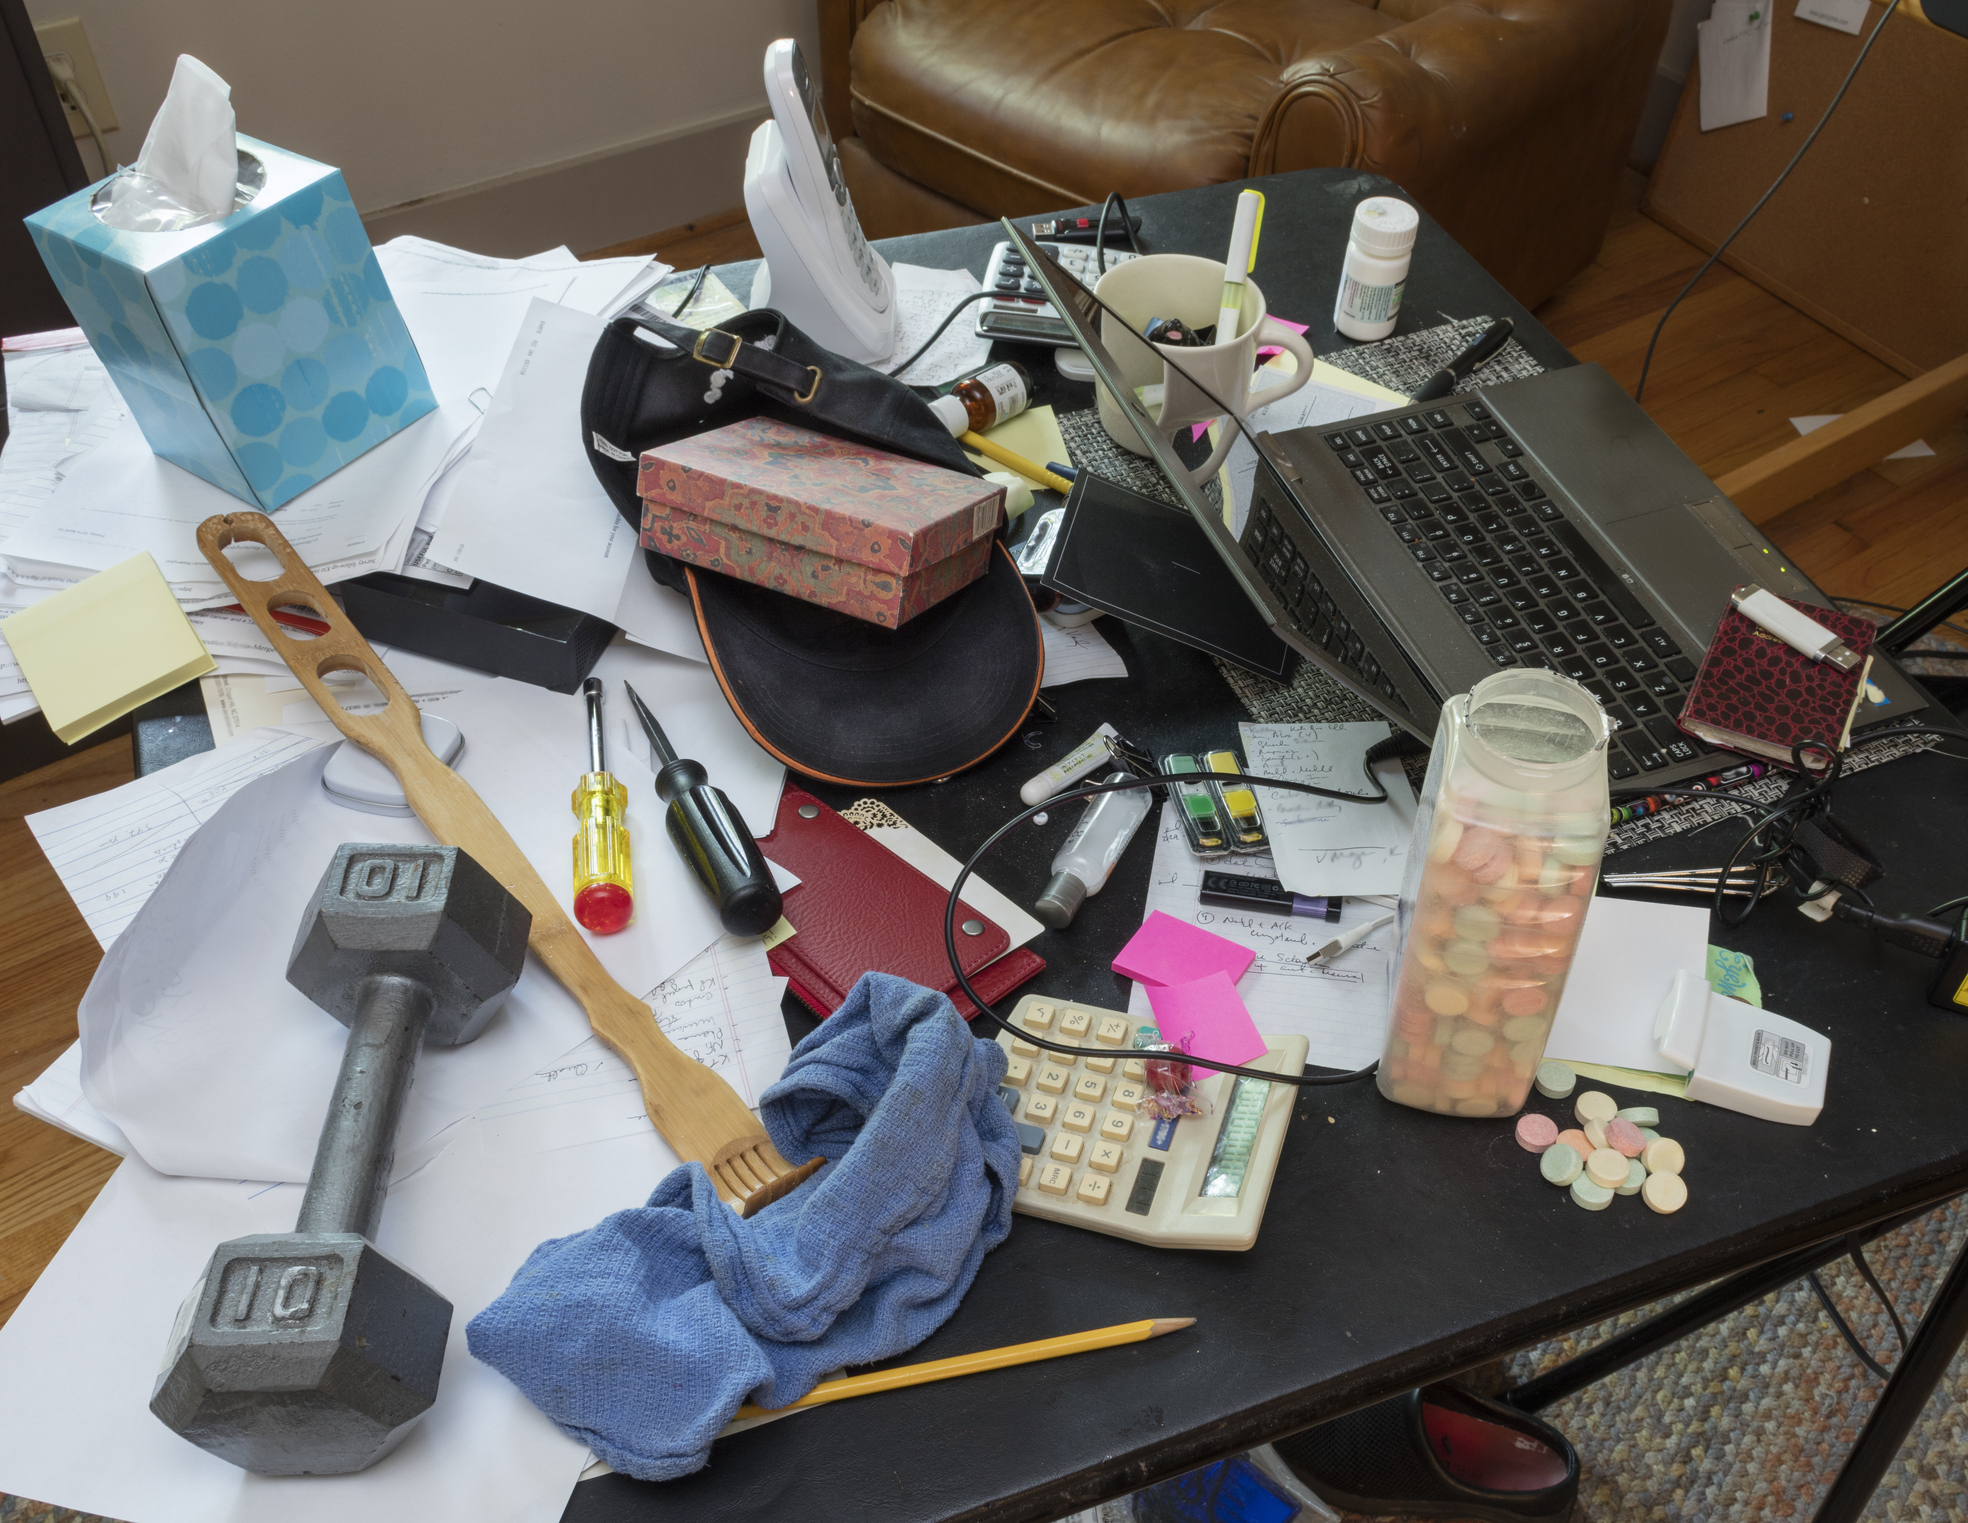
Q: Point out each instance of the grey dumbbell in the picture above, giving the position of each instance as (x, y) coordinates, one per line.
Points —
(309, 1352)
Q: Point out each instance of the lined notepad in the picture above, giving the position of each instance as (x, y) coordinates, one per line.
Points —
(99, 649)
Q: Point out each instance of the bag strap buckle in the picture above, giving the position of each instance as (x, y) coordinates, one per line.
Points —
(811, 391)
(731, 356)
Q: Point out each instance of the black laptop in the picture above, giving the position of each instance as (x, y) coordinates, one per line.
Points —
(1544, 522)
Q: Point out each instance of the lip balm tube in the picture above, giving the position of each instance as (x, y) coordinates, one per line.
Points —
(1089, 756)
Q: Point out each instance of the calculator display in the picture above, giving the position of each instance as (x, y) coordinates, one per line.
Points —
(1230, 1158)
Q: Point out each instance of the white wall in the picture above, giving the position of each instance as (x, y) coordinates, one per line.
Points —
(417, 98)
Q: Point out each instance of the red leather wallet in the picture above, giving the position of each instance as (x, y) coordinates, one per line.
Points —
(859, 908)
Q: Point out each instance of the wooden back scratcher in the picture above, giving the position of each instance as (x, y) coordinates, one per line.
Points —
(694, 1110)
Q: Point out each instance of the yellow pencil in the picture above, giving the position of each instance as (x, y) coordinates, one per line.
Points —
(1024, 467)
(970, 1364)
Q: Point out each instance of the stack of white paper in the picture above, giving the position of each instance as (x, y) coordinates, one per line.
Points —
(80, 489)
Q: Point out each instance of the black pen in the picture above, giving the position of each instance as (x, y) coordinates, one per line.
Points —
(1443, 381)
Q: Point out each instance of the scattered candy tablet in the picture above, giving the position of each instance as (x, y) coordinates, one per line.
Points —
(1554, 1080)
(1636, 1177)
(1535, 1133)
(1574, 1139)
(1595, 1133)
(1641, 1115)
(1664, 1157)
(1591, 1195)
(1649, 1133)
(1664, 1193)
(1622, 1136)
(1560, 1165)
(1606, 1168)
(1595, 1105)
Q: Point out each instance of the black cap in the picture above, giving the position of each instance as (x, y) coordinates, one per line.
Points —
(830, 695)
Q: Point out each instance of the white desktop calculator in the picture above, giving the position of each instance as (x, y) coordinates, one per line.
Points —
(1093, 1158)
(1018, 309)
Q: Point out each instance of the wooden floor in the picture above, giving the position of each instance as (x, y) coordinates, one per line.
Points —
(1733, 367)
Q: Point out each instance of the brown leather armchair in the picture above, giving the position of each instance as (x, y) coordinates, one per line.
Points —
(1508, 120)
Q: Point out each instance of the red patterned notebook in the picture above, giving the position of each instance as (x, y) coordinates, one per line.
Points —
(860, 908)
(1754, 693)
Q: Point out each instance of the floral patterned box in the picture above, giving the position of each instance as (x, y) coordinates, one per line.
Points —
(867, 592)
(811, 491)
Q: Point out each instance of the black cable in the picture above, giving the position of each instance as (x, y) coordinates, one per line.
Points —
(690, 296)
(1708, 263)
(1844, 1330)
(1892, 1311)
(1091, 790)
(948, 318)
(1100, 231)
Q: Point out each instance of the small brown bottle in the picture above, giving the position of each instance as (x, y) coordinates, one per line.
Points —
(984, 400)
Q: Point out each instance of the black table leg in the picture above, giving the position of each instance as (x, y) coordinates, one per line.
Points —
(1689, 1316)
(1935, 1343)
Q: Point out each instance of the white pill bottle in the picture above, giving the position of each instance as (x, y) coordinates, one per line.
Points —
(1507, 841)
(1376, 270)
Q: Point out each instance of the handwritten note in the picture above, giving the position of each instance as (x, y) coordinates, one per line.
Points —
(1325, 846)
(1341, 1008)
(111, 849)
(923, 298)
(722, 1009)
(1075, 655)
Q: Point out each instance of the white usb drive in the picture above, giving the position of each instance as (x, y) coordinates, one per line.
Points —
(1799, 631)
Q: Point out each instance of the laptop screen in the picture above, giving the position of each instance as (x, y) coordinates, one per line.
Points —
(1080, 311)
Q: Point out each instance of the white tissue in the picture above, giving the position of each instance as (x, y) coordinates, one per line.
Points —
(190, 161)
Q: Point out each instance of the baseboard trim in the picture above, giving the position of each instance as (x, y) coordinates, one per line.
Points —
(590, 201)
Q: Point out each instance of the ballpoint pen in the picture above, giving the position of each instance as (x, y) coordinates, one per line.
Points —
(1443, 381)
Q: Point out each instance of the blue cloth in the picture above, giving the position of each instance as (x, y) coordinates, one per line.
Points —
(641, 1336)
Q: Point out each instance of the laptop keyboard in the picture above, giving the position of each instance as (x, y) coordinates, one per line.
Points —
(1453, 487)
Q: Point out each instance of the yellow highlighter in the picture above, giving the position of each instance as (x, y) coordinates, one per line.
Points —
(603, 897)
(1239, 804)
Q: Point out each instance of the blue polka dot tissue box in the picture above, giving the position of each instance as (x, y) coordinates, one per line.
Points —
(262, 351)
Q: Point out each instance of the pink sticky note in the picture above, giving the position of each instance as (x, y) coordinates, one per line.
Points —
(1207, 1019)
(1170, 951)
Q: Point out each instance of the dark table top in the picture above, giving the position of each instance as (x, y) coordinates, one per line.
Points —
(1397, 1247)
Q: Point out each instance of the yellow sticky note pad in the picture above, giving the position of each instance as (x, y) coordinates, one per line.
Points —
(101, 648)
(780, 930)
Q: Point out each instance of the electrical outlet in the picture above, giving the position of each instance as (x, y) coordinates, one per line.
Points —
(70, 38)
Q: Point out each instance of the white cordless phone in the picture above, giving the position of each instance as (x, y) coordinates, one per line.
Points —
(819, 269)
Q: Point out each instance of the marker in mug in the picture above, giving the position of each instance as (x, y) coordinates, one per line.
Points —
(1090, 755)
(1237, 265)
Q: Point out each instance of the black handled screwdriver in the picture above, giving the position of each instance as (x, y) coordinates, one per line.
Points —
(711, 837)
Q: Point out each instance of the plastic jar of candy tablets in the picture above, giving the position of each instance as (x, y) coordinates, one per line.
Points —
(1514, 815)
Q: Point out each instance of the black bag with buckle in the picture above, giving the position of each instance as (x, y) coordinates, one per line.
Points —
(830, 695)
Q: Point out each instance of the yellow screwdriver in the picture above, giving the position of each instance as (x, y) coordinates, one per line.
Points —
(602, 898)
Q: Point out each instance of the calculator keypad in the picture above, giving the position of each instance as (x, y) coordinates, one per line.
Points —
(1093, 1157)
(1018, 308)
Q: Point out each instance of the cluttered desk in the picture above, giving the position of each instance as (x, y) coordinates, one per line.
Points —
(1188, 895)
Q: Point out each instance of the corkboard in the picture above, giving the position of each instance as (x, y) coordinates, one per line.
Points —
(1870, 235)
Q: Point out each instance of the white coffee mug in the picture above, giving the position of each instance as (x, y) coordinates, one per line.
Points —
(1190, 289)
